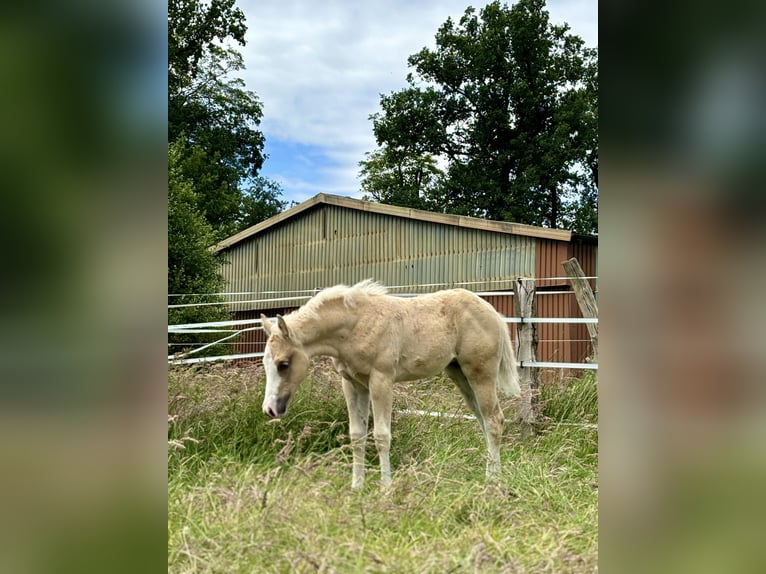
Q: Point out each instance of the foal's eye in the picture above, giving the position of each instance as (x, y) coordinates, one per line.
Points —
(282, 366)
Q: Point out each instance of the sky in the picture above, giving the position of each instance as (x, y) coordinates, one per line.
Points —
(319, 69)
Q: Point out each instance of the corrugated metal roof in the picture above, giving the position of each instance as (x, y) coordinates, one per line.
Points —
(404, 212)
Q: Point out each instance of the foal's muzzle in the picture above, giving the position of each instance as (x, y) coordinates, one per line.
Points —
(276, 410)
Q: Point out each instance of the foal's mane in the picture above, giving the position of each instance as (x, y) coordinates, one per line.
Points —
(349, 295)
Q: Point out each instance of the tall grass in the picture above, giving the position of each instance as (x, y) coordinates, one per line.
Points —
(250, 495)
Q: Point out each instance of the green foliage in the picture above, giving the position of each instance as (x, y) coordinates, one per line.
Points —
(192, 268)
(259, 201)
(215, 152)
(220, 407)
(246, 493)
(217, 118)
(572, 401)
(194, 27)
(508, 102)
(399, 177)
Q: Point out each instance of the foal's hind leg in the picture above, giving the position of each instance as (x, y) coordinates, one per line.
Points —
(490, 414)
(455, 373)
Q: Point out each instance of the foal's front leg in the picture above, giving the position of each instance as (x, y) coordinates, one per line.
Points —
(358, 403)
(380, 393)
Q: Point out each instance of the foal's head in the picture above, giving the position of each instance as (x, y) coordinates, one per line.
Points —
(286, 365)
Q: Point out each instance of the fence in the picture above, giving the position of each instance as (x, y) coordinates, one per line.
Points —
(525, 302)
(198, 328)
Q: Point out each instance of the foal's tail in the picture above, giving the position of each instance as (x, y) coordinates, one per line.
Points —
(507, 373)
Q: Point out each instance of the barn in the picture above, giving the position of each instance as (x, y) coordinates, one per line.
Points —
(273, 267)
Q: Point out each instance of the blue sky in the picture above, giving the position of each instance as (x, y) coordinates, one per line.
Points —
(319, 69)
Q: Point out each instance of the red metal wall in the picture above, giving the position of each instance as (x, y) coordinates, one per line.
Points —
(559, 341)
(556, 342)
(254, 341)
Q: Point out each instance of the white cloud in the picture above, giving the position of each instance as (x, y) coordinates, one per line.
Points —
(319, 69)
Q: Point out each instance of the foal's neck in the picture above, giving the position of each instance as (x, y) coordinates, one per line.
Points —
(319, 332)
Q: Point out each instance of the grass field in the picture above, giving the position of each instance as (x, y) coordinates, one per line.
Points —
(250, 495)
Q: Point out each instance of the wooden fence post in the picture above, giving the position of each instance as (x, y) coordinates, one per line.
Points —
(585, 299)
(526, 336)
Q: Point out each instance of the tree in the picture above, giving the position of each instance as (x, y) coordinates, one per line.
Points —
(193, 270)
(507, 102)
(193, 29)
(215, 117)
(215, 152)
(259, 202)
(399, 178)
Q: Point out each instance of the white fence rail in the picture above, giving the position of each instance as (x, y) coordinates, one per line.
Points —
(234, 328)
(185, 359)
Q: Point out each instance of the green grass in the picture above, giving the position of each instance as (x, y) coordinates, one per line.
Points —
(250, 495)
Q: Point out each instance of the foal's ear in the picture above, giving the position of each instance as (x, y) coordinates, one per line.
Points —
(266, 324)
(283, 327)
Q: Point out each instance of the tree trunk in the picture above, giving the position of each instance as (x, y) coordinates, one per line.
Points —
(554, 207)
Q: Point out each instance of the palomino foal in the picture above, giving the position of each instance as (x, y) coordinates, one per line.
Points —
(377, 339)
